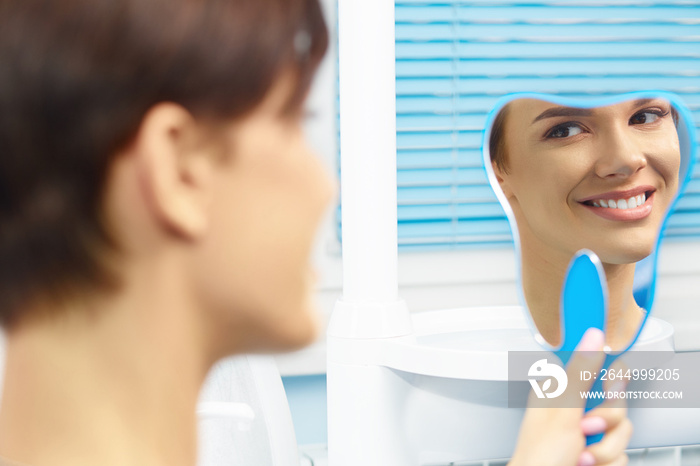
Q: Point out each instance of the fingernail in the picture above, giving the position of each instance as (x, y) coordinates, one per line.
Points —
(593, 425)
(592, 340)
(586, 459)
(619, 386)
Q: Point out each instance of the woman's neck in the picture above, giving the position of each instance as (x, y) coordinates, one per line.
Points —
(624, 314)
(114, 386)
(543, 276)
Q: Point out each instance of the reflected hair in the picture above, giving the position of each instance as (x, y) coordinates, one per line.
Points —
(497, 141)
(76, 79)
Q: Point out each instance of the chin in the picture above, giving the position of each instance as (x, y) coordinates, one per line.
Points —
(277, 328)
(297, 324)
(300, 333)
(626, 255)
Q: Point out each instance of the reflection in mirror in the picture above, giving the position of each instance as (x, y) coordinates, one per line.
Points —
(572, 176)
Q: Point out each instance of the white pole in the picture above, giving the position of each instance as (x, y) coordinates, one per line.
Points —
(368, 149)
(368, 171)
(370, 307)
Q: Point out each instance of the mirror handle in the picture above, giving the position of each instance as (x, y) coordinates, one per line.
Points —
(584, 304)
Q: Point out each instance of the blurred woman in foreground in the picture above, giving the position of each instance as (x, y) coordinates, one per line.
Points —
(158, 203)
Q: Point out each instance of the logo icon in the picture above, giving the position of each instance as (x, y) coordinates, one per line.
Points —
(542, 369)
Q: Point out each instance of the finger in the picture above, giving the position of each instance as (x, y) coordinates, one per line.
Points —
(616, 380)
(613, 444)
(604, 417)
(612, 411)
(589, 357)
(620, 461)
(593, 425)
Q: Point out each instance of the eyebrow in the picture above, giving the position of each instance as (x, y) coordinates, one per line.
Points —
(642, 102)
(563, 111)
(578, 112)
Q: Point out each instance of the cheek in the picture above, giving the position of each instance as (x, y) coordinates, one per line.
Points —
(542, 181)
(256, 256)
(666, 161)
(663, 153)
(671, 167)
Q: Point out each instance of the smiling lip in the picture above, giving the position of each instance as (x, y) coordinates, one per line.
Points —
(601, 204)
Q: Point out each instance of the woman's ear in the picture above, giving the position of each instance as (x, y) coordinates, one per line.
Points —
(175, 169)
(502, 179)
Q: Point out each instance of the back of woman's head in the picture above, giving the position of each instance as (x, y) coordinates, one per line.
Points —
(77, 78)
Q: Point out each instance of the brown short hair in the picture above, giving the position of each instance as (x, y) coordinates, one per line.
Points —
(76, 79)
(497, 142)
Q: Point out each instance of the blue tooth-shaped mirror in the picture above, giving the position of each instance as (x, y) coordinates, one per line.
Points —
(599, 175)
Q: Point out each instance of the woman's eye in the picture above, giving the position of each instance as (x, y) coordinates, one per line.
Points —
(564, 131)
(643, 118)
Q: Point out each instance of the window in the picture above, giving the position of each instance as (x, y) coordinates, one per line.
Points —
(454, 59)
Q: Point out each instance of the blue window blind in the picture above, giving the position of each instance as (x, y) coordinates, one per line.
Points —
(454, 59)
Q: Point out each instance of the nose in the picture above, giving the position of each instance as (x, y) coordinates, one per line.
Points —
(620, 157)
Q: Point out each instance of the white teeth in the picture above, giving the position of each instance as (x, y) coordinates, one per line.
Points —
(631, 203)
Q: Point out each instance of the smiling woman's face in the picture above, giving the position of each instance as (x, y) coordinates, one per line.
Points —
(598, 178)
